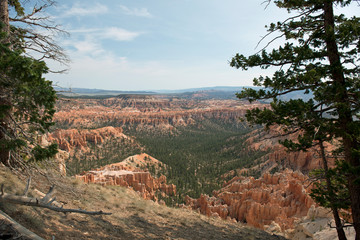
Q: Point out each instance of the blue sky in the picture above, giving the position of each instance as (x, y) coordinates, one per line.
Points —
(159, 44)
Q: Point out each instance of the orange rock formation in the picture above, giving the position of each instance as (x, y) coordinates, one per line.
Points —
(279, 156)
(281, 198)
(69, 139)
(149, 112)
(121, 174)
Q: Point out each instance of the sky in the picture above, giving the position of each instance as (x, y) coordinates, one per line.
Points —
(135, 45)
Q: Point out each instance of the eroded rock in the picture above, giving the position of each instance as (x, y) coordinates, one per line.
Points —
(273, 199)
(126, 175)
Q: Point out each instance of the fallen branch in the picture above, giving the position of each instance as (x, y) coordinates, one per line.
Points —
(24, 232)
(45, 202)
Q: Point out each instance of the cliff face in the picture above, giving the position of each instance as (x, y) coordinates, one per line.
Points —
(127, 175)
(281, 198)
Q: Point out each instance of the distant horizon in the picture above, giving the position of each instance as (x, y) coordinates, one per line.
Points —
(155, 90)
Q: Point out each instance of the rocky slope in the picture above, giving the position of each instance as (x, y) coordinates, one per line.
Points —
(277, 202)
(125, 174)
(280, 198)
(318, 224)
(131, 218)
(85, 149)
(279, 158)
(80, 139)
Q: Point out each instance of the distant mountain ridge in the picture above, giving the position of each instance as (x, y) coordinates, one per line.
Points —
(217, 92)
(216, 88)
(95, 91)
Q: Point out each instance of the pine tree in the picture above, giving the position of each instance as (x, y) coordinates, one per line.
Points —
(321, 58)
(27, 99)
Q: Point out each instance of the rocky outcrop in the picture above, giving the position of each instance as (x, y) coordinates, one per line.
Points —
(123, 174)
(60, 157)
(69, 139)
(315, 225)
(279, 198)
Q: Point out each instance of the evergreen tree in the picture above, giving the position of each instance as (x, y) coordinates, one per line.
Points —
(27, 99)
(321, 58)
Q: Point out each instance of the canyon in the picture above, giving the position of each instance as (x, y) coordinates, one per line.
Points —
(200, 144)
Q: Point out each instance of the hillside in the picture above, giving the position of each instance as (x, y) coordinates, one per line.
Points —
(132, 218)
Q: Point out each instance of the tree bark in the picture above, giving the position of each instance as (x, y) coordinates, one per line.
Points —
(4, 152)
(4, 15)
(339, 225)
(344, 112)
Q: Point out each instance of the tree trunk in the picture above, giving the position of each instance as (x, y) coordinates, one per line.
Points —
(344, 112)
(4, 152)
(4, 128)
(4, 15)
(339, 226)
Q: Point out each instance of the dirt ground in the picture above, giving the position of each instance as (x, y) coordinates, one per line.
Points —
(131, 218)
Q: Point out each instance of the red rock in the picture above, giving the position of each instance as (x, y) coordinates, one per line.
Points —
(70, 139)
(281, 198)
(118, 174)
(150, 113)
(279, 156)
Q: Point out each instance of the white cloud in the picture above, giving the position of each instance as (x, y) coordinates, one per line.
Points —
(84, 30)
(88, 47)
(114, 33)
(139, 12)
(119, 34)
(77, 10)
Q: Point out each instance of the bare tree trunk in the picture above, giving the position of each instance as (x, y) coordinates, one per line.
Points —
(339, 226)
(344, 112)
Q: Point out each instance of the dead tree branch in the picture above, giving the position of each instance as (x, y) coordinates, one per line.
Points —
(45, 202)
(39, 34)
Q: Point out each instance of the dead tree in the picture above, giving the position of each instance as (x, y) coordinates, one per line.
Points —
(38, 32)
(45, 202)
